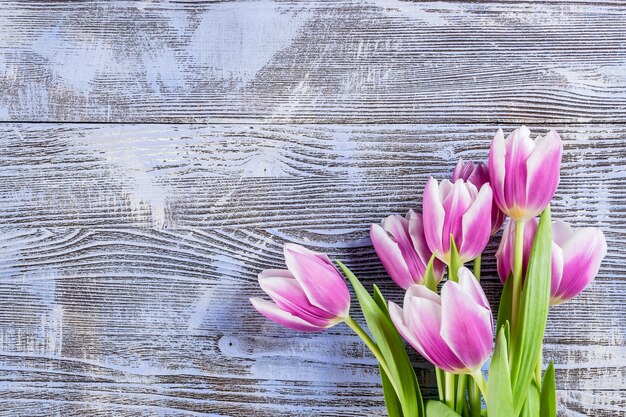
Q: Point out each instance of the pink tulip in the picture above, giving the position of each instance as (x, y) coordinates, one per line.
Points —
(311, 296)
(576, 256)
(478, 175)
(453, 331)
(524, 173)
(460, 210)
(583, 252)
(402, 249)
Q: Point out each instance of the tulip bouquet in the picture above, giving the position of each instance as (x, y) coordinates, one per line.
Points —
(540, 263)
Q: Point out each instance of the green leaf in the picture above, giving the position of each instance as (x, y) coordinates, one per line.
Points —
(500, 401)
(455, 262)
(531, 406)
(548, 393)
(391, 346)
(504, 310)
(437, 409)
(527, 338)
(394, 408)
(380, 301)
(429, 275)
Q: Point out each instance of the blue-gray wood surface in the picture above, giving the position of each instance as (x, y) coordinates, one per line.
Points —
(154, 157)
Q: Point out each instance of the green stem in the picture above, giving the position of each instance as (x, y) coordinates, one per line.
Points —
(481, 383)
(477, 266)
(460, 393)
(518, 256)
(440, 384)
(474, 399)
(375, 350)
(450, 390)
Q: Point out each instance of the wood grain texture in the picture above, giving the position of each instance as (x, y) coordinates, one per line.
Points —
(128, 254)
(157, 322)
(356, 61)
(277, 176)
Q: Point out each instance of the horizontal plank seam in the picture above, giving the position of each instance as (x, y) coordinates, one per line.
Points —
(300, 123)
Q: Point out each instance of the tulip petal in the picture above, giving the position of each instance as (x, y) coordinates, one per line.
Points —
(397, 316)
(504, 254)
(476, 225)
(582, 256)
(519, 147)
(416, 234)
(391, 257)
(288, 295)
(557, 268)
(470, 285)
(425, 321)
(561, 232)
(543, 169)
(497, 218)
(420, 291)
(324, 286)
(466, 326)
(418, 239)
(398, 228)
(434, 216)
(274, 313)
(497, 169)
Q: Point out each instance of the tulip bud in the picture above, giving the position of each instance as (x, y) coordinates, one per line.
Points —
(576, 256)
(524, 173)
(478, 175)
(457, 209)
(310, 296)
(453, 331)
(402, 249)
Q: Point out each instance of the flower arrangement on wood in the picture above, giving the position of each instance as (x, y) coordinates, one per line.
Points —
(540, 263)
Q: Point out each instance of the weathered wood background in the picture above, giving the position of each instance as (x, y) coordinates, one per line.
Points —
(155, 157)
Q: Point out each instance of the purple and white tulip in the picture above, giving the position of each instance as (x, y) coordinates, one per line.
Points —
(583, 251)
(453, 331)
(457, 209)
(524, 174)
(576, 256)
(478, 174)
(310, 296)
(401, 246)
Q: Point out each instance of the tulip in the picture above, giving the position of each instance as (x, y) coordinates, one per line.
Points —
(402, 249)
(524, 174)
(310, 296)
(576, 257)
(453, 331)
(457, 209)
(478, 174)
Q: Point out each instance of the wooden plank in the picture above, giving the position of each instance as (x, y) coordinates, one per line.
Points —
(123, 321)
(318, 62)
(269, 176)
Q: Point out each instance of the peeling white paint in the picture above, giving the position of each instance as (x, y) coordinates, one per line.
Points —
(263, 28)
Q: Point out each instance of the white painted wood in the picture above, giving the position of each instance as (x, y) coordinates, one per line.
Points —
(128, 251)
(128, 254)
(129, 320)
(324, 62)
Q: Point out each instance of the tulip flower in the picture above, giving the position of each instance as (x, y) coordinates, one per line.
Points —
(478, 174)
(576, 257)
(457, 209)
(524, 174)
(401, 246)
(310, 296)
(453, 331)
(583, 252)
